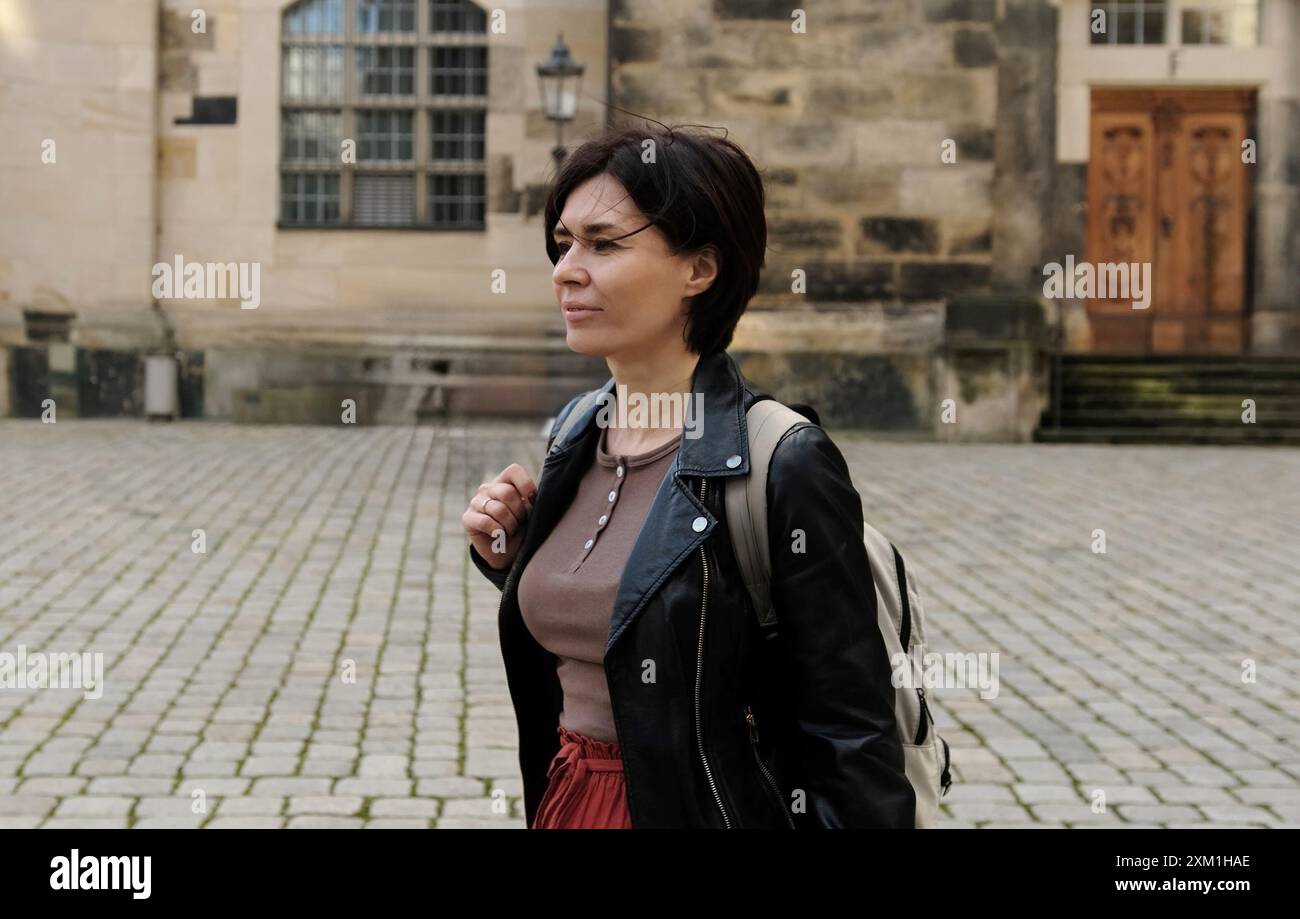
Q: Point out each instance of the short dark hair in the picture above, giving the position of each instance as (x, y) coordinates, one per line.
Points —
(701, 191)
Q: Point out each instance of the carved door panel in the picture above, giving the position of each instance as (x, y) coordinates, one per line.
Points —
(1171, 161)
(1122, 179)
(1203, 308)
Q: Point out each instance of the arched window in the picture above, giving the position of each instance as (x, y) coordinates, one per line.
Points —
(405, 81)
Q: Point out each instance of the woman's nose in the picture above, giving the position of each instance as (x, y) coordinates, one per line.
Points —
(568, 268)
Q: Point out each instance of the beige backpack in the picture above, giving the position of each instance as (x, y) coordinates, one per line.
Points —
(898, 605)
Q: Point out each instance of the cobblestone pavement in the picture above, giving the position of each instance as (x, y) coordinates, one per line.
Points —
(331, 659)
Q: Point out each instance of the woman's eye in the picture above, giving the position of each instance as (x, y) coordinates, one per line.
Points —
(599, 245)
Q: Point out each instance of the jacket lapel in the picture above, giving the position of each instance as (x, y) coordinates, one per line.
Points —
(677, 523)
(668, 535)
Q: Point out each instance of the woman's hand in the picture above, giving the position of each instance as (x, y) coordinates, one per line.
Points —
(499, 509)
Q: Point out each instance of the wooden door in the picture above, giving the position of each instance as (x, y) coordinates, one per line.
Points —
(1167, 185)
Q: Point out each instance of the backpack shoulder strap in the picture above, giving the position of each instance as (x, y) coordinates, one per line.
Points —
(571, 417)
(745, 499)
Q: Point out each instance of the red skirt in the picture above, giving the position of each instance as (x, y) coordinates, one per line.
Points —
(585, 789)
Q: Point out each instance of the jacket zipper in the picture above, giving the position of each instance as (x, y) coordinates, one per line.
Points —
(753, 745)
(699, 672)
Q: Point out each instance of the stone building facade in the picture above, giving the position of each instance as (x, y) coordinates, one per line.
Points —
(923, 159)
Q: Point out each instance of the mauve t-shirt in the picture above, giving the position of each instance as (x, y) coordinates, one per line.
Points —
(567, 590)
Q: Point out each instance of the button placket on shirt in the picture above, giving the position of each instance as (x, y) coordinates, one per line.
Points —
(603, 519)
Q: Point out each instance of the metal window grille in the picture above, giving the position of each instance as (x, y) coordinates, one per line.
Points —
(406, 80)
(384, 200)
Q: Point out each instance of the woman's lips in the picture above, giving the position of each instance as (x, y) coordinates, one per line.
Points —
(575, 313)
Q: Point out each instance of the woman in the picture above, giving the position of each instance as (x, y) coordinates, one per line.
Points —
(645, 691)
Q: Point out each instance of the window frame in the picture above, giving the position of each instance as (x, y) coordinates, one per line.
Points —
(1139, 9)
(1174, 12)
(1235, 7)
(421, 103)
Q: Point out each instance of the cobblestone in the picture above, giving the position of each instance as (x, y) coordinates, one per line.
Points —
(330, 659)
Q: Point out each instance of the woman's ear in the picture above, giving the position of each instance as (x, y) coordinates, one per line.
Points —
(704, 270)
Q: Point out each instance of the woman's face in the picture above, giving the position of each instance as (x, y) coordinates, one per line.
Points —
(621, 296)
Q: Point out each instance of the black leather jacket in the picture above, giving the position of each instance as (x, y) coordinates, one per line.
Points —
(687, 662)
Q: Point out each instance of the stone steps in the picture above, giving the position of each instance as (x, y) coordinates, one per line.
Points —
(1111, 399)
(1169, 435)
